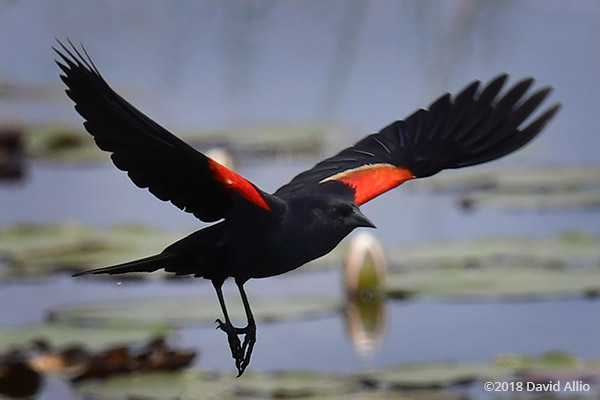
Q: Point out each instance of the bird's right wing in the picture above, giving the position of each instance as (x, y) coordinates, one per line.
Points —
(153, 158)
(473, 127)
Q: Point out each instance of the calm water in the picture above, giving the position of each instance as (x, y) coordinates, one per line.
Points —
(200, 65)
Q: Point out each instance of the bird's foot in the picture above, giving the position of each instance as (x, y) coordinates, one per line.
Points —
(240, 352)
(247, 347)
(232, 337)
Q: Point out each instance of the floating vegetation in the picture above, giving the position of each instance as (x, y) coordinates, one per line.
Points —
(177, 311)
(413, 381)
(32, 250)
(67, 144)
(155, 370)
(60, 335)
(29, 250)
(22, 368)
(272, 140)
(559, 252)
(563, 265)
(496, 284)
(62, 143)
(538, 188)
(540, 179)
(581, 200)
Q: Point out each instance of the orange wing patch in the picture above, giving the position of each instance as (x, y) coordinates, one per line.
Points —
(371, 180)
(233, 181)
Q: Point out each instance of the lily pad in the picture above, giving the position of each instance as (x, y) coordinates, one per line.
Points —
(534, 201)
(31, 250)
(269, 140)
(496, 283)
(292, 384)
(62, 335)
(73, 144)
(439, 375)
(190, 311)
(196, 384)
(539, 188)
(435, 375)
(411, 381)
(568, 250)
(176, 385)
(549, 360)
(540, 179)
(566, 265)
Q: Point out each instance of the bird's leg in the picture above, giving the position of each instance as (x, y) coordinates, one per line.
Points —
(249, 332)
(227, 327)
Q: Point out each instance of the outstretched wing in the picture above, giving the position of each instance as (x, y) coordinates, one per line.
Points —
(153, 158)
(470, 128)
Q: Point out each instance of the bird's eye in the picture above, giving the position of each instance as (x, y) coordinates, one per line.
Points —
(343, 210)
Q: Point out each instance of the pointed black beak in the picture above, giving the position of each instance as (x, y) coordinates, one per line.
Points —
(361, 220)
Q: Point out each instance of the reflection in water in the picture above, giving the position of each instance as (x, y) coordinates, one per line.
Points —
(366, 323)
(365, 272)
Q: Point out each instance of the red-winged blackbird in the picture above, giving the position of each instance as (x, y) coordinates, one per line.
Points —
(261, 234)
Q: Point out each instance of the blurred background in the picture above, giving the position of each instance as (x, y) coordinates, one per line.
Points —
(493, 272)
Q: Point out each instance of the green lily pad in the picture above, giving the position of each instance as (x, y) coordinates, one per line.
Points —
(196, 384)
(32, 250)
(269, 140)
(567, 250)
(563, 265)
(61, 335)
(72, 144)
(549, 360)
(534, 201)
(291, 384)
(434, 375)
(496, 283)
(61, 143)
(540, 179)
(175, 385)
(411, 381)
(538, 188)
(190, 311)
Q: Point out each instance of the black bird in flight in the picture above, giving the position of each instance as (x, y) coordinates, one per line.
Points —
(260, 234)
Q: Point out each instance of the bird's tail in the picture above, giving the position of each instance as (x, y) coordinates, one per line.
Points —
(474, 127)
(147, 264)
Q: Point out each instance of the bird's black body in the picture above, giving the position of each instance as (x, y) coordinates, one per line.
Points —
(261, 234)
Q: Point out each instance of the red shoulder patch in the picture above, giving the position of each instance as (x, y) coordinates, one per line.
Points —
(233, 181)
(371, 180)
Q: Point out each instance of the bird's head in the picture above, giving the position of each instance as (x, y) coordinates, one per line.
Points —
(347, 214)
(333, 218)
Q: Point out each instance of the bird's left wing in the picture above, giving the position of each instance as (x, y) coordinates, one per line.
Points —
(473, 127)
(153, 158)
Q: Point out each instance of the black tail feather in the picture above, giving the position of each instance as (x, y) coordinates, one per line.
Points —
(147, 264)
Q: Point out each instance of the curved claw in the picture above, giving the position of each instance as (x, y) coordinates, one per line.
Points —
(232, 339)
(246, 349)
(240, 352)
(220, 325)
